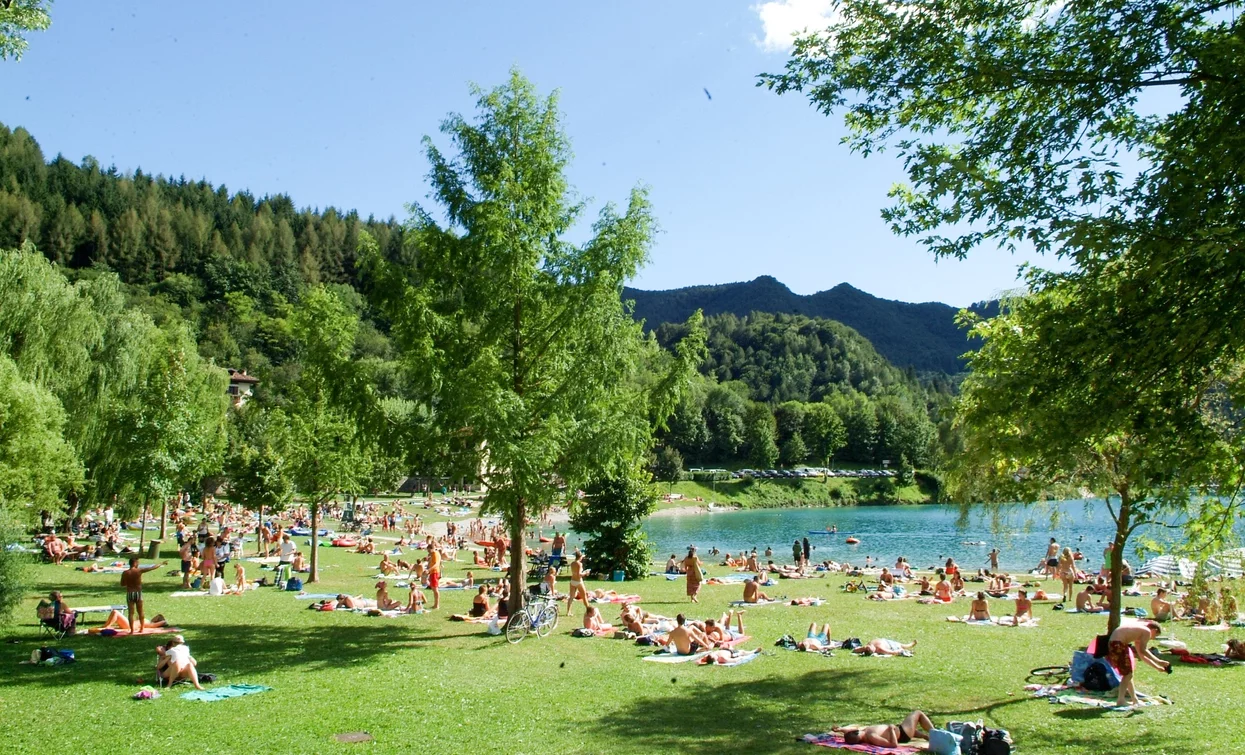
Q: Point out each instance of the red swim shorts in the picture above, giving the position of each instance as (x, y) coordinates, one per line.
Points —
(1120, 655)
(434, 580)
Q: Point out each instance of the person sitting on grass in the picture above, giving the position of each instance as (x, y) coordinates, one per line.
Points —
(752, 591)
(885, 647)
(916, 726)
(687, 640)
(1235, 649)
(672, 565)
(387, 567)
(980, 610)
(1160, 606)
(957, 583)
(1085, 601)
(299, 563)
(925, 587)
(415, 601)
(480, 605)
(366, 547)
(383, 601)
(594, 621)
(1024, 608)
(174, 662)
(815, 641)
(942, 591)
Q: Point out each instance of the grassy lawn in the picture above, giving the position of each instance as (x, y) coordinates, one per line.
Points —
(425, 684)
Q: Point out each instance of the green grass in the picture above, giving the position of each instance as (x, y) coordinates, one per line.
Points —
(425, 684)
(835, 491)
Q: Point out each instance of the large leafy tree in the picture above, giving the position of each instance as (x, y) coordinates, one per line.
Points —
(37, 465)
(258, 472)
(518, 335)
(824, 432)
(1031, 423)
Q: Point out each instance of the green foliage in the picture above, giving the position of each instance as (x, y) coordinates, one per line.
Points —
(37, 466)
(519, 334)
(14, 567)
(17, 19)
(760, 436)
(667, 464)
(259, 475)
(824, 432)
(610, 519)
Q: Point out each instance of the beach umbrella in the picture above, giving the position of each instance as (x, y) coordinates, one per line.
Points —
(1231, 563)
(1169, 566)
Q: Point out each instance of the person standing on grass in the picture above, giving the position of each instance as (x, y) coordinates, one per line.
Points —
(797, 553)
(1125, 641)
(691, 567)
(132, 581)
(434, 574)
(1052, 559)
(184, 553)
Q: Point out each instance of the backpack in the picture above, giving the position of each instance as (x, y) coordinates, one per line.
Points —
(969, 734)
(294, 585)
(1081, 661)
(943, 742)
(581, 632)
(995, 742)
(1100, 677)
(851, 643)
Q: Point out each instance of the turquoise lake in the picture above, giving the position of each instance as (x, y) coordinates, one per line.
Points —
(925, 535)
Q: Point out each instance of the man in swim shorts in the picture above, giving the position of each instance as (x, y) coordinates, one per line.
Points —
(1160, 606)
(434, 574)
(687, 640)
(1124, 641)
(752, 591)
(132, 581)
(916, 726)
(884, 647)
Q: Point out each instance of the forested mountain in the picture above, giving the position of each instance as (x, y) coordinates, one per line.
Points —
(922, 336)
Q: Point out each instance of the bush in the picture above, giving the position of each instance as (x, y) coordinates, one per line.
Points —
(13, 571)
(610, 519)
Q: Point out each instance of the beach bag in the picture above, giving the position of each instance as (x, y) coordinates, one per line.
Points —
(1081, 661)
(995, 742)
(851, 643)
(943, 742)
(581, 632)
(294, 585)
(969, 734)
(1101, 677)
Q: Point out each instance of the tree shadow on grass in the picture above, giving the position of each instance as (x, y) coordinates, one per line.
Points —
(741, 716)
(231, 651)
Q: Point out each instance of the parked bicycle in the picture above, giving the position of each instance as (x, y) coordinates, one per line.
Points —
(538, 616)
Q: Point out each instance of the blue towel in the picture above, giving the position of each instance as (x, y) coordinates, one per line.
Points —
(224, 693)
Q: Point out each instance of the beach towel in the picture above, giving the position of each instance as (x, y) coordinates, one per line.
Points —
(224, 693)
(188, 594)
(737, 660)
(126, 633)
(993, 621)
(98, 609)
(471, 619)
(759, 603)
(616, 599)
(1214, 627)
(835, 740)
(316, 596)
(1105, 699)
(666, 657)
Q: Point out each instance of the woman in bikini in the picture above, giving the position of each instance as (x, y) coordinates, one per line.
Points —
(577, 591)
(594, 621)
(1067, 574)
(916, 726)
(480, 606)
(980, 610)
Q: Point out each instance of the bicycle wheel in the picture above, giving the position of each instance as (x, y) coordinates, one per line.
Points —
(1046, 672)
(548, 620)
(516, 628)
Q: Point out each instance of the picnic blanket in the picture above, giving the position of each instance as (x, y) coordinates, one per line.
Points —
(835, 740)
(668, 657)
(993, 621)
(734, 660)
(224, 693)
(616, 599)
(126, 632)
(1069, 695)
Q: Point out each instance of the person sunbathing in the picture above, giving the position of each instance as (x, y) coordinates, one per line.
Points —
(415, 601)
(349, 601)
(672, 565)
(387, 567)
(480, 606)
(1085, 601)
(593, 621)
(751, 564)
(687, 640)
(980, 610)
(886, 579)
(383, 601)
(174, 662)
(719, 632)
(916, 726)
(926, 588)
(957, 583)
(1024, 608)
(1236, 649)
(116, 621)
(885, 647)
(815, 641)
(752, 592)
(366, 547)
(1160, 606)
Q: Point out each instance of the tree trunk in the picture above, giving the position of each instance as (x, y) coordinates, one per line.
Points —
(1117, 561)
(142, 530)
(518, 581)
(73, 512)
(315, 542)
(259, 533)
(164, 516)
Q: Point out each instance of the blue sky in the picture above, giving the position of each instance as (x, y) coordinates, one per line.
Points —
(327, 102)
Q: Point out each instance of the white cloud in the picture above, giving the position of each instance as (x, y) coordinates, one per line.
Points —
(784, 19)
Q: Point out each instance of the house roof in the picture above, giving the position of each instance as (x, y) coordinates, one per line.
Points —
(240, 376)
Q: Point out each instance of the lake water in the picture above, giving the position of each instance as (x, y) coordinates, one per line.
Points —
(926, 535)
